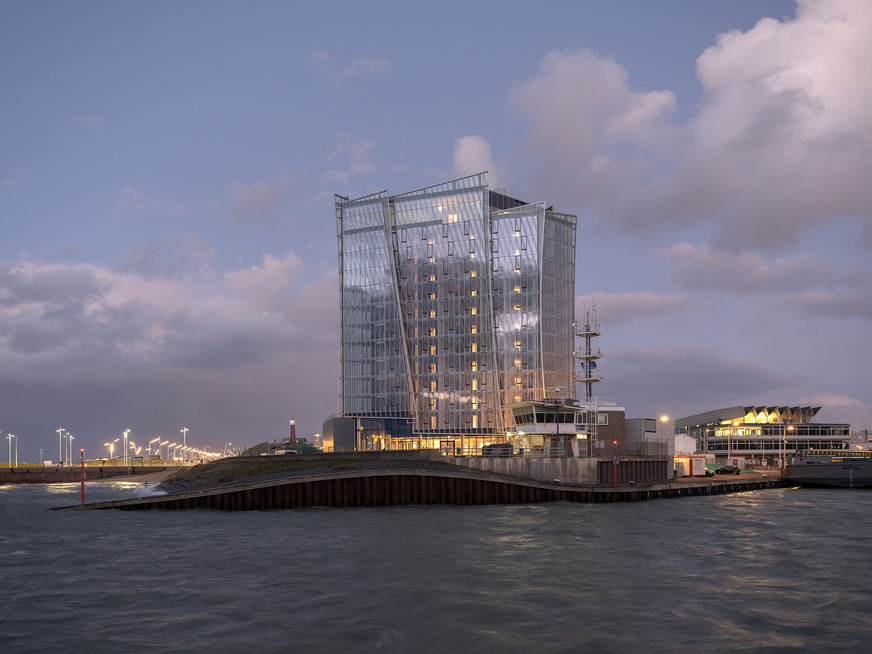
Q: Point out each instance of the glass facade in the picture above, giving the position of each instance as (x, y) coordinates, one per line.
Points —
(455, 301)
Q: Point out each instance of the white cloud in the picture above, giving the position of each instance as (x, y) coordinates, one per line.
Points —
(614, 309)
(131, 198)
(320, 57)
(13, 178)
(817, 286)
(355, 157)
(781, 142)
(165, 259)
(844, 303)
(583, 119)
(681, 381)
(365, 66)
(837, 407)
(259, 202)
(247, 346)
(705, 268)
(472, 154)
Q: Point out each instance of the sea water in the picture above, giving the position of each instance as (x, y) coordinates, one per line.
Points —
(783, 570)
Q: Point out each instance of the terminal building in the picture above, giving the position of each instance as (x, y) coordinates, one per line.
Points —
(457, 305)
(762, 433)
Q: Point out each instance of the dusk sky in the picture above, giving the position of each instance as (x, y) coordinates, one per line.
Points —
(167, 170)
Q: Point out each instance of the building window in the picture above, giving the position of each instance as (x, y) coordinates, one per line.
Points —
(602, 418)
(433, 350)
(433, 386)
(474, 311)
(474, 366)
(475, 422)
(475, 384)
(475, 347)
(473, 329)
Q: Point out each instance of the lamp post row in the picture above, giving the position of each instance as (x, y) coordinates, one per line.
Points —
(65, 442)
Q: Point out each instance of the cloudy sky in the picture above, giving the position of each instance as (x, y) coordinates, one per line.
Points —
(167, 171)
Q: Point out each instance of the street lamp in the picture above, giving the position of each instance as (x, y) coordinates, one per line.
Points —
(784, 431)
(663, 419)
(111, 447)
(557, 390)
(70, 439)
(126, 431)
(9, 438)
(60, 447)
(184, 431)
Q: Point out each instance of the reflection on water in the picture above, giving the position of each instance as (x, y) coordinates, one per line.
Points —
(777, 570)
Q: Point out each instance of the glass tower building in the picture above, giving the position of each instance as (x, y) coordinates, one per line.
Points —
(455, 302)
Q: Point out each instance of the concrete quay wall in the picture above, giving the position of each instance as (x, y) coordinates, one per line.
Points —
(584, 471)
(56, 475)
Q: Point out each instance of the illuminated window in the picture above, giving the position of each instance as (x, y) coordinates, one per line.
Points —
(475, 384)
(474, 311)
(432, 368)
(452, 217)
(518, 345)
(518, 382)
(517, 307)
(433, 386)
(474, 366)
(432, 422)
(432, 296)
(473, 329)
(432, 331)
(432, 403)
(433, 350)
(473, 292)
(517, 289)
(432, 313)
(518, 364)
(474, 403)
(472, 273)
(475, 422)
(475, 347)
(432, 278)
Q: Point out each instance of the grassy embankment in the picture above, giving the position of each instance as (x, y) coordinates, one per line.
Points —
(227, 470)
